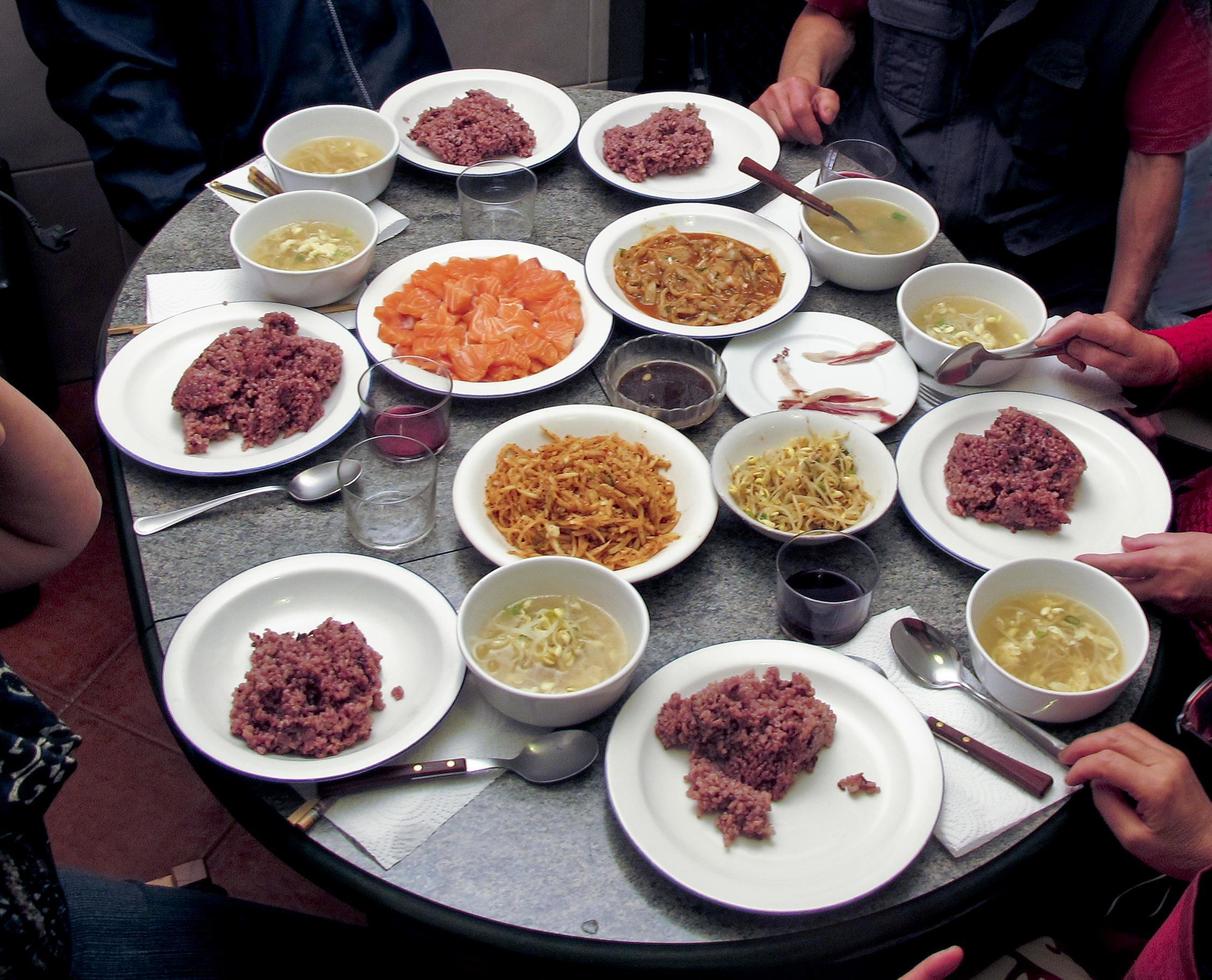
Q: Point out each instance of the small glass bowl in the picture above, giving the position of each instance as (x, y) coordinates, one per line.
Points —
(666, 347)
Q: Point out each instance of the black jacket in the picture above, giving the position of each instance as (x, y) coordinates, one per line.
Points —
(170, 95)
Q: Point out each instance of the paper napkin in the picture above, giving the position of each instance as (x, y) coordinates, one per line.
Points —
(785, 213)
(978, 804)
(390, 823)
(391, 221)
(170, 293)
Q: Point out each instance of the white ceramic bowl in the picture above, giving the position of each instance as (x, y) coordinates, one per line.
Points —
(715, 219)
(689, 471)
(755, 435)
(1078, 581)
(855, 270)
(554, 576)
(333, 120)
(312, 287)
(965, 279)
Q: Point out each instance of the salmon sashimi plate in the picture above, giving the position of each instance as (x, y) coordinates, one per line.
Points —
(486, 319)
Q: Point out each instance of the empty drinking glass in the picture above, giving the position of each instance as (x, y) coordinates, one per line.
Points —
(856, 158)
(388, 490)
(496, 200)
(407, 396)
(825, 580)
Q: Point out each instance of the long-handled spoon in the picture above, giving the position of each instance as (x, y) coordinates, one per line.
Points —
(549, 758)
(313, 483)
(932, 658)
(781, 184)
(961, 364)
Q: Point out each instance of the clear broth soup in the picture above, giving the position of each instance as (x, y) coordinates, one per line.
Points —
(304, 245)
(959, 320)
(333, 155)
(884, 228)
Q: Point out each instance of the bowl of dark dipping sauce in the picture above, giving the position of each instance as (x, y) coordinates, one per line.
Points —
(675, 379)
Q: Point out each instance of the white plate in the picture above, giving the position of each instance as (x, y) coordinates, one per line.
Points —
(588, 345)
(404, 618)
(760, 433)
(689, 472)
(714, 219)
(754, 385)
(828, 848)
(134, 395)
(736, 132)
(1123, 491)
(551, 113)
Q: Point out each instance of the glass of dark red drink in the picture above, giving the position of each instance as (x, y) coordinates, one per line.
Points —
(825, 580)
(407, 396)
(856, 158)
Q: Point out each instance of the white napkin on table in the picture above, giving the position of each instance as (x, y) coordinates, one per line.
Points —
(170, 293)
(785, 213)
(391, 822)
(978, 804)
(391, 221)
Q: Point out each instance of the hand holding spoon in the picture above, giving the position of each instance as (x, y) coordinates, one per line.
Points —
(313, 483)
(961, 364)
(930, 657)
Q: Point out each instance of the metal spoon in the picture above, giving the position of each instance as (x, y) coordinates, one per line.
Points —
(961, 364)
(752, 168)
(932, 658)
(313, 483)
(549, 758)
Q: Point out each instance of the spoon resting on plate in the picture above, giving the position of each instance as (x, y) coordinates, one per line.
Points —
(962, 363)
(548, 758)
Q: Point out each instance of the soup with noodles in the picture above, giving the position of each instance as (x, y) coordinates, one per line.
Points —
(551, 644)
(1053, 642)
(333, 155)
(698, 279)
(959, 320)
(884, 228)
(303, 245)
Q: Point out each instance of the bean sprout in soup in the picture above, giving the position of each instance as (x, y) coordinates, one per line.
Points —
(333, 155)
(551, 644)
(304, 245)
(884, 228)
(959, 320)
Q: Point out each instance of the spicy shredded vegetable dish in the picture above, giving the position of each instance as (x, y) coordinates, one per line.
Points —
(698, 279)
(598, 497)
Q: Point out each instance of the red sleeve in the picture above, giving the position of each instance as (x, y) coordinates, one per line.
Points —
(1171, 951)
(1192, 342)
(841, 9)
(1168, 108)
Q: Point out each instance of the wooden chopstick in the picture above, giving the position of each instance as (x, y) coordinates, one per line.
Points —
(306, 816)
(237, 192)
(122, 329)
(263, 183)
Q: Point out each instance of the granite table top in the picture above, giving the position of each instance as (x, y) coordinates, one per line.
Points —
(724, 592)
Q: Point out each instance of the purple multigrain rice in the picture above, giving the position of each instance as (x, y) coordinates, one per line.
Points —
(748, 739)
(310, 693)
(1022, 473)
(670, 141)
(264, 382)
(473, 128)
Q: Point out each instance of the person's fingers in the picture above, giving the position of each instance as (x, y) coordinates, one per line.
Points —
(1071, 361)
(1133, 565)
(937, 965)
(827, 104)
(1143, 542)
(762, 109)
(791, 104)
(1127, 739)
(1063, 330)
(1096, 355)
(1120, 814)
(1109, 766)
(800, 103)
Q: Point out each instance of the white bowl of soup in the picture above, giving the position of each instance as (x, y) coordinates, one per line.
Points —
(943, 307)
(342, 148)
(307, 248)
(552, 641)
(896, 225)
(1054, 640)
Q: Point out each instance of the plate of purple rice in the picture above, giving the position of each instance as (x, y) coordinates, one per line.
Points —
(819, 848)
(451, 120)
(323, 641)
(1122, 490)
(135, 396)
(676, 146)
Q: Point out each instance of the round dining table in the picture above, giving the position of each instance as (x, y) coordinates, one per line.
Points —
(548, 871)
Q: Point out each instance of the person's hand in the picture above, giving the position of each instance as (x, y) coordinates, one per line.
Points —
(797, 108)
(1149, 796)
(1173, 570)
(1110, 343)
(938, 965)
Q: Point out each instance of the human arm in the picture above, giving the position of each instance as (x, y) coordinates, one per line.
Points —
(1109, 342)
(799, 103)
(49, 506)
(1172, 570)
(112, 76)
(1148, 214)
(1149, 796)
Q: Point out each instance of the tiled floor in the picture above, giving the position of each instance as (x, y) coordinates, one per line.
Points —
(134, 808)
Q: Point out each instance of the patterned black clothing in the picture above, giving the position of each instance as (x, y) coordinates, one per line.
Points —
(35, 758)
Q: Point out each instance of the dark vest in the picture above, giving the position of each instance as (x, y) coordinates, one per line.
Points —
(1007, 116)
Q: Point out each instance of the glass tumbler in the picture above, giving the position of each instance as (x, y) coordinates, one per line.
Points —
(388, 495)
(825, 580)
(407, 396)
(856, 158)
(496, 200)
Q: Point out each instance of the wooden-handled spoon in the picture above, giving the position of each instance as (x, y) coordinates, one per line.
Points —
(781, 184)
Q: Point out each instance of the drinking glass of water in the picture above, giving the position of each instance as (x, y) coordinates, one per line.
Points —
(856, 158)
(825, 580)
(407, 396)
(388, 495)
(496, 200)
